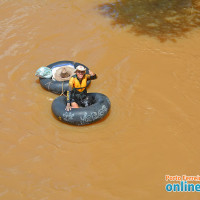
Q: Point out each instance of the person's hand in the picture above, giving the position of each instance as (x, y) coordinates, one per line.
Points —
(68, 107)
(91, 73)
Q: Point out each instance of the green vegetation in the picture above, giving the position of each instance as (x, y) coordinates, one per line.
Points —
(163, 19)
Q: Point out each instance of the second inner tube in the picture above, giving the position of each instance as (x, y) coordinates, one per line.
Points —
(59, 87)
(82, 116)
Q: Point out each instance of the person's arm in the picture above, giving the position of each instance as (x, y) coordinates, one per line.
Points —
(92, 75)
(68, 107)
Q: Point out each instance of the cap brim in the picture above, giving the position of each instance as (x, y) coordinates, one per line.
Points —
(80, 70)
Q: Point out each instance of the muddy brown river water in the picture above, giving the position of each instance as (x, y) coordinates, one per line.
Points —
(152, 129)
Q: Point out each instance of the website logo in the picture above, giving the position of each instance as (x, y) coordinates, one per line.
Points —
(184, 183)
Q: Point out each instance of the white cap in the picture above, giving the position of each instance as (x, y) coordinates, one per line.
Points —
(80, 68)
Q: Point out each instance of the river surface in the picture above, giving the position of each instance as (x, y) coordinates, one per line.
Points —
(153, 127)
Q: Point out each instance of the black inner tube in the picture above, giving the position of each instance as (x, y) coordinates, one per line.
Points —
(59, 87)
(85, 115)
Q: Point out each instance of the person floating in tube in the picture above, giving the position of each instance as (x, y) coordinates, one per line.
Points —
(77, 92)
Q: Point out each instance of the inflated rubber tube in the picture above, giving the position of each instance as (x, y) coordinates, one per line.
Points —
(59, 87)
(84, 115)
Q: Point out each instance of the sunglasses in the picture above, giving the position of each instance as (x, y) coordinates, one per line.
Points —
(80, 72)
